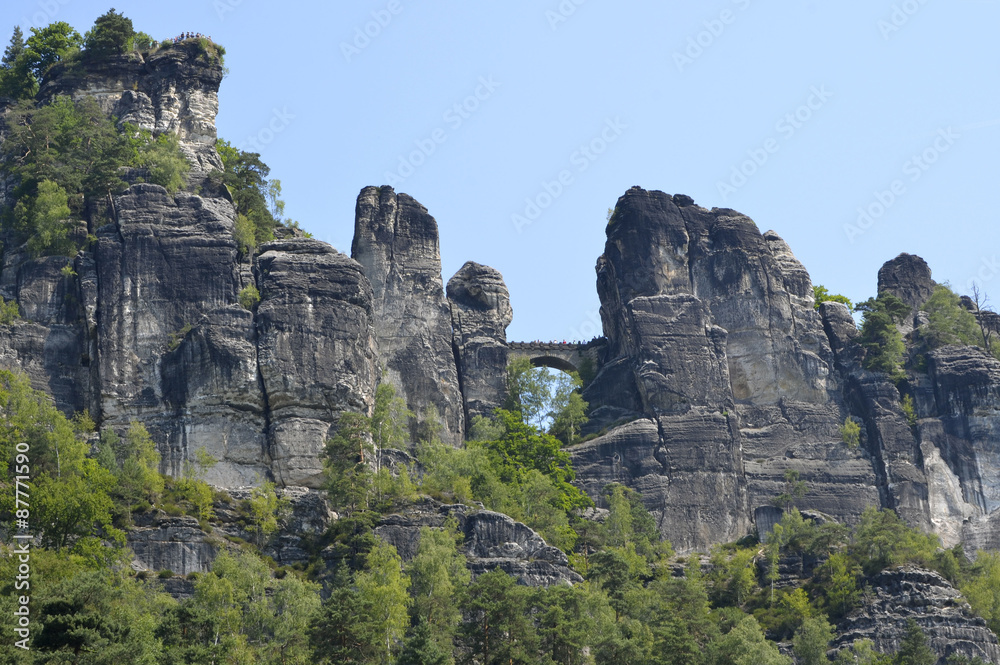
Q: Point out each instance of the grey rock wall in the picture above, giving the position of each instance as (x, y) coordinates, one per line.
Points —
(396, 243)
(480, 314)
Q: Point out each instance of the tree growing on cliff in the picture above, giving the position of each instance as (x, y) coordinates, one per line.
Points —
(245, 175)
(948, 321)
(16, 79)
(47, 46)
(112, 34)
(879, 335)
(822, 295)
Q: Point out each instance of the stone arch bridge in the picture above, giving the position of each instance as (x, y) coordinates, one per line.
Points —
(565, 357)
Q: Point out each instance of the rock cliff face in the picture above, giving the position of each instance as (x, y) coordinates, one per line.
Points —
(480, 314)
(491, 541)
(396, 242)
(716, 376)
(145, 322)
(912, 593)
(316, 350)
(715, 345)
(173, 90)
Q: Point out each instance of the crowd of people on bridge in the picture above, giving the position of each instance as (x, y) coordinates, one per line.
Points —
(555, 341)
(189, 35)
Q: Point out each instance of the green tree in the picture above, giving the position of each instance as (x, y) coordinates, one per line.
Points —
(98, 617)
(821, 295)
(162, 157)
(251, 615)
(48, 217)
(812, 640)
(112, 34)
(192, 486)
(861, 652)
(949, 322)
(70, 143)
(422, 648)
(734, 575)
(913, 650)
(839, 577)
(384, 587)
(522, 448)
(850, 433)
(528, 391)
(243, 234)
(347, 459)
(347, 631)
(982, 589)
(498, 630)
(879, 335)
(264, 510)
(745, 644)
(245, 175)
(74, 509)
(249, 297)
(389, 418)
(568, 620)
(16, 79)
(438, 573)
(49, 45)
(881, 539)
(134, 461)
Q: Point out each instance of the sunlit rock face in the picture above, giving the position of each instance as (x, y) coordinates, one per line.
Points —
(396, 243)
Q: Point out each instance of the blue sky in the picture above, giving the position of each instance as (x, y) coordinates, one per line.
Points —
(797, 115)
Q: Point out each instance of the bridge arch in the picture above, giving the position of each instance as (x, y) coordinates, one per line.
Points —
(564, 357)
(555, 362)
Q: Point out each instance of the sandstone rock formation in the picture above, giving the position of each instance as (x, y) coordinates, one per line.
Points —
(396, 242)
(173, 90)
(714, 343)
(491, 540)
(924, 596)
(480, 314)
(316, 350)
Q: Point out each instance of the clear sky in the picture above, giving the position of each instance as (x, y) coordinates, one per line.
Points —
(797, 114)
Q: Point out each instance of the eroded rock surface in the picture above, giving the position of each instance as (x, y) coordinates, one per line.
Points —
(396, 243)
(316, 350)
(480, 314)
(912, 593)
(491, 540)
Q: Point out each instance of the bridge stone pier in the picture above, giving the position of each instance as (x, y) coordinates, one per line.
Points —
(565, 357)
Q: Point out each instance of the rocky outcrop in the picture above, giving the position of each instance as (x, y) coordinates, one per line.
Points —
(962, 453)
(715, 344)
(912, 593)
(480, 314)
(175, 349)
(316, 350)
(491, 541)
(396, 243)
(183, 545)
(678, 463)
(907, 277)
(173, 89)
(177, 544)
